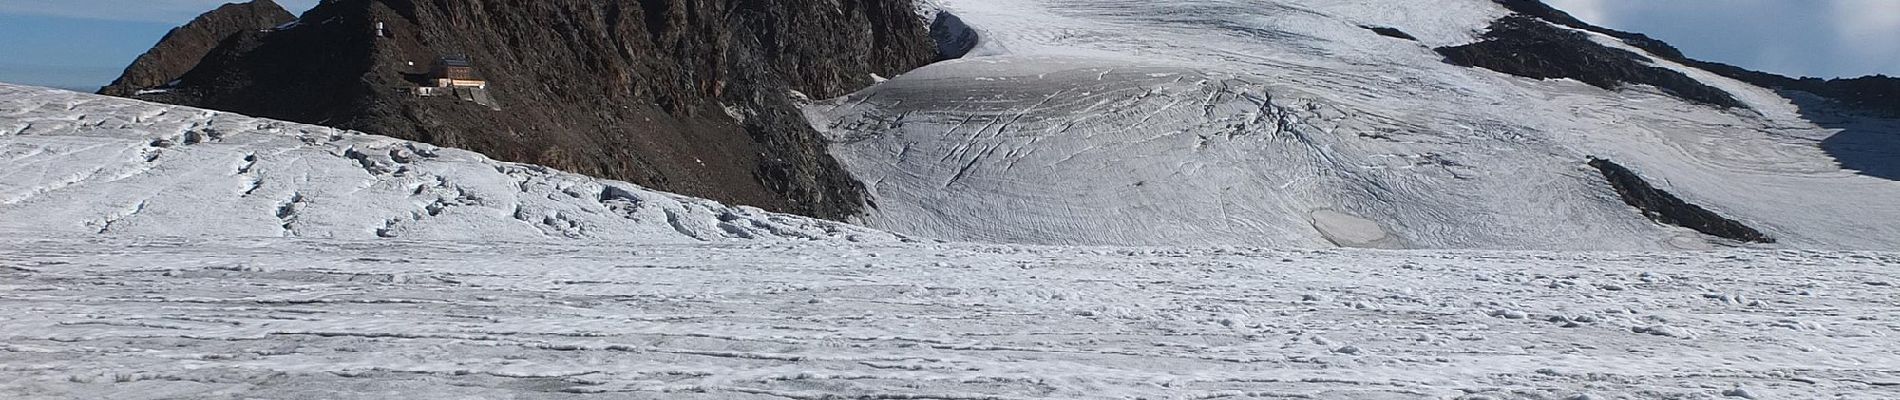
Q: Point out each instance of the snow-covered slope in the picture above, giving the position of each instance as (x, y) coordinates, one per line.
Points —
(81, 164)
(303, 319)
(1288, 123)
(157, 252)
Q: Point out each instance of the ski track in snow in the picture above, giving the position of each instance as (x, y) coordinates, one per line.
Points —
(1124, 122)
(304, 318)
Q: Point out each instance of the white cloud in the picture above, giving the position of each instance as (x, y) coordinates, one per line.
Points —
(167, 11)
(1867, 29)
(1596, 12)
(1876, 20)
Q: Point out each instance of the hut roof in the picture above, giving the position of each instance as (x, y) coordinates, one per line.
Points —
(454, 61)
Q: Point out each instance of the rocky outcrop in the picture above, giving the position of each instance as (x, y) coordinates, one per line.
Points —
(1663, 207)
(183, 47)
(688, 96)
(954, 38)
(1877, 93)
(1526, 46)
(1390, 32)
(1537, 9)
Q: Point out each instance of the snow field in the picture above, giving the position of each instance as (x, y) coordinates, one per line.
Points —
(305, 318)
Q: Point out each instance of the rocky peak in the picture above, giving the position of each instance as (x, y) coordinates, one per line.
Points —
(183, 47)
(688, 96)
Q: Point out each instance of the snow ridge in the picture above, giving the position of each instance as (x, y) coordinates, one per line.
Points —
(84, 164)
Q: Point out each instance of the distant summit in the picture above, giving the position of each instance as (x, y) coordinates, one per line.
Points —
(184, 46)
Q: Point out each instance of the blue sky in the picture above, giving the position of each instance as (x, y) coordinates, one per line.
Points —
(84, 44)
(1825, 38)
(55, 51)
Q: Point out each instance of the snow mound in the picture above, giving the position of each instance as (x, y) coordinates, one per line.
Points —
(80, 164)
(1286, 123)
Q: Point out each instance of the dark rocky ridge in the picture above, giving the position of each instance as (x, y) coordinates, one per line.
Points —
(688, 96)
(1390, 32)
(1537, 9)
(183, 47)
(1663, 207)
(1878, 93)
(1529, 47)
(954, 38)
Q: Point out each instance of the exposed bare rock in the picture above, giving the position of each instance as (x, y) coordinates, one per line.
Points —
(183, 47)
(1663, 207)
(688, 96)
(954, 38)
(1877, 93)
(1529, 47)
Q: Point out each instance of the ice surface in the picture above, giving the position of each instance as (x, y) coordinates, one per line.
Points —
(1240, 122)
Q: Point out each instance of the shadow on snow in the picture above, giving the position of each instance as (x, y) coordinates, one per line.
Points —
(1867, 144)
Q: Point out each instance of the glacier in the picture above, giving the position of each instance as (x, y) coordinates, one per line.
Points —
(1289, 123)
(1101, 199)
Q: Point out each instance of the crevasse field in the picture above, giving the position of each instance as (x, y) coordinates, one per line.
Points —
(1286, 123)
(1106, 200)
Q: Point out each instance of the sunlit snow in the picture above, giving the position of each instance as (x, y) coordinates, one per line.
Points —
(1256, 149)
